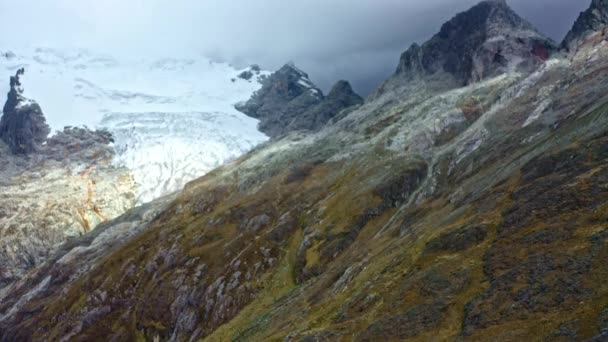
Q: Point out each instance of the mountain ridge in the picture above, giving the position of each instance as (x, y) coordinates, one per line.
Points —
(484, 41)
(288, 101)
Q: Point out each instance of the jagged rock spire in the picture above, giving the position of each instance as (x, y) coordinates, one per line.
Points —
(22, 126)
(594, 19)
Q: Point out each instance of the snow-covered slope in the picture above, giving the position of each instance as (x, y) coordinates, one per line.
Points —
(173, 119)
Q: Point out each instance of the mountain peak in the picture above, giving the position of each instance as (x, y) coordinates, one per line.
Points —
(593, 20)
(290, 101)
(290, 67)
(487, 40)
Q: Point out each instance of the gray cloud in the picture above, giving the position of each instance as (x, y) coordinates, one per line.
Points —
(358, 40)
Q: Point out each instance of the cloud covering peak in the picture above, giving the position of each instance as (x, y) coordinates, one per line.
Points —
(359, 40)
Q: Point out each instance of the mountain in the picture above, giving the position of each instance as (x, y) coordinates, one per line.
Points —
(469, 213)
(593, 21)
(485, 41)
(173, 119)
(289, 101)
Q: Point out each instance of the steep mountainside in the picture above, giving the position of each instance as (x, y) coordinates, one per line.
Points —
(154, 108)
(477, 213)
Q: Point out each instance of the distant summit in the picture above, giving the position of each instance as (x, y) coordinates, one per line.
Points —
(593, 20)
(487, 40)
(22, 126)
(289, 101)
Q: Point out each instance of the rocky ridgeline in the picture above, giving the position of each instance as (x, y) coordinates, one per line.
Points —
(488, 40)
(289, 101)
(51, 188)
(592, 22)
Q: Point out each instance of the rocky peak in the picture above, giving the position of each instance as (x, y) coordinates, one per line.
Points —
(289, 100)
(22, 126)
(594, 19)
(487, 40)
(297, 81)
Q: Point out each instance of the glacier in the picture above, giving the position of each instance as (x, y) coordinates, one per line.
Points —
(173, 119)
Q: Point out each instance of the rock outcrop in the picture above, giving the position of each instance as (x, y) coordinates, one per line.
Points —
(22, 126)
(289, 101)
(487, 40)
(592, 21)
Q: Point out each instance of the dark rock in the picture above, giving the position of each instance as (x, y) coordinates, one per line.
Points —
(593, 20)
(485, 41)
(246, 75)
(22, 126)
(289, 101)
(340, 97)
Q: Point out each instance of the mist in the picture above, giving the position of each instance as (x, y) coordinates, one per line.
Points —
(357, 40)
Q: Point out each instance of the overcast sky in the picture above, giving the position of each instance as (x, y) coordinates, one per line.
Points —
(358, 40)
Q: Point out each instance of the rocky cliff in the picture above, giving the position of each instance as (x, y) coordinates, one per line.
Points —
(476, 213)
(22, 126)
(487, 40)
(289, 101)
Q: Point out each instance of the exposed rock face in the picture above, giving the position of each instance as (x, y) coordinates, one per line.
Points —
(485, 41)
(51, 192)
(593, 20)
(289, 101)
(339, 98)
(22, 126)
(63, 190)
